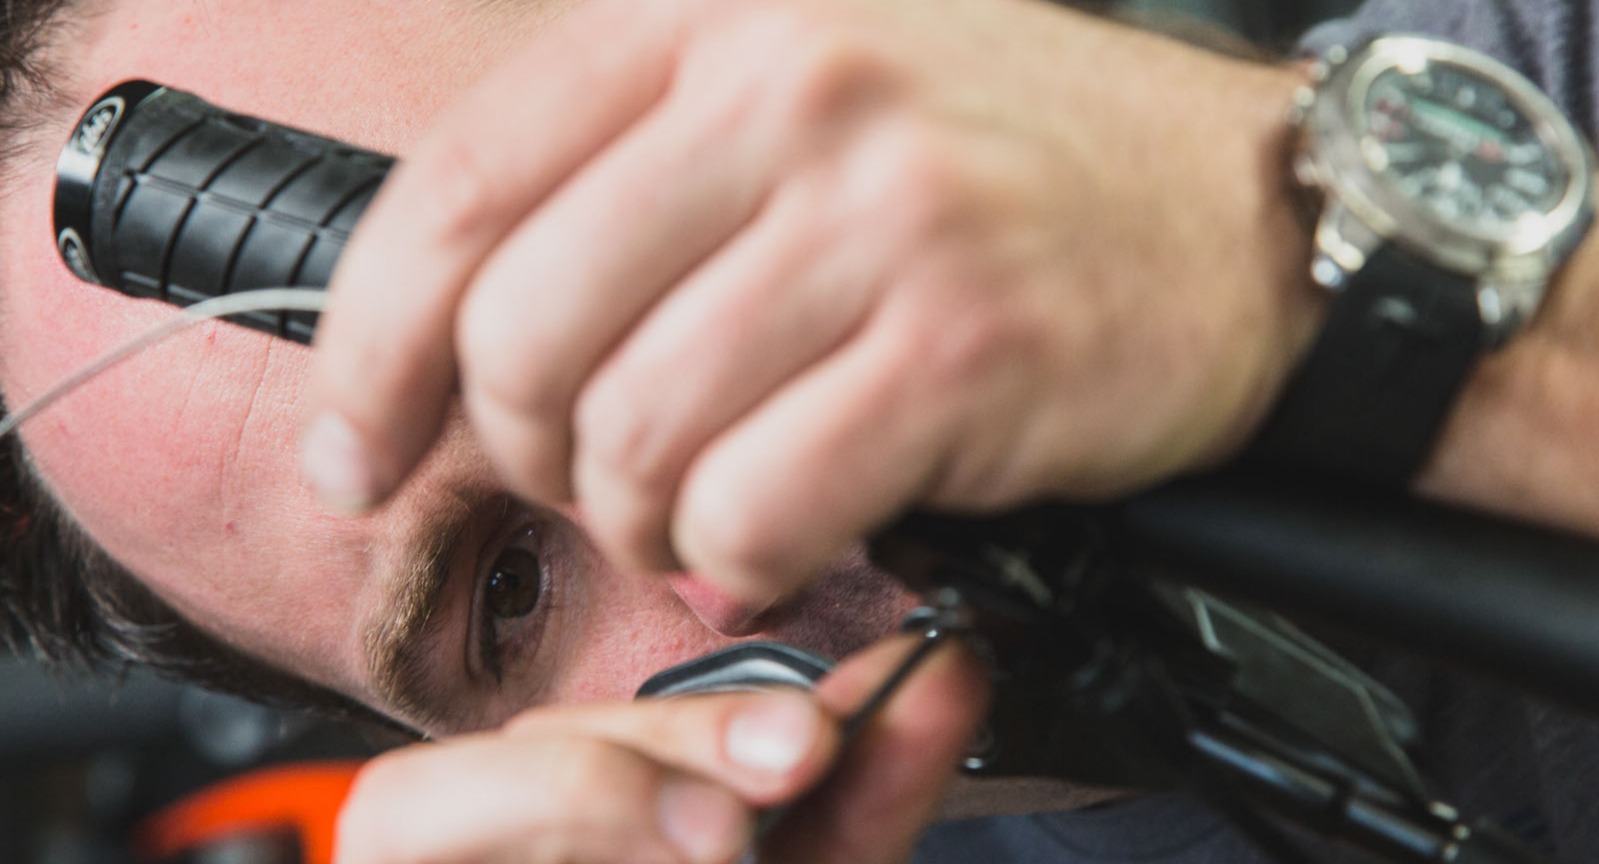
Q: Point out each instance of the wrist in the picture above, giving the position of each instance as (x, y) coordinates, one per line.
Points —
(1284, 309)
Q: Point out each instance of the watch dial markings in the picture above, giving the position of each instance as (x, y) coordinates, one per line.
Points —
(1453, 142)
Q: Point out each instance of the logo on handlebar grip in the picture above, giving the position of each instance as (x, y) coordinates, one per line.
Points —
(98, 124)
(76, 255)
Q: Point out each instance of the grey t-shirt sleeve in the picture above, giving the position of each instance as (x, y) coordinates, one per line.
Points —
(1550, 41)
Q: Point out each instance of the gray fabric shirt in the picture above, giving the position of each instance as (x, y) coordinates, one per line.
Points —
(1550, 41)
(1531, 768)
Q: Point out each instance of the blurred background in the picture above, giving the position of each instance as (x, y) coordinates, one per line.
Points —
(1275, 24)
(136, 769)
(141, 771)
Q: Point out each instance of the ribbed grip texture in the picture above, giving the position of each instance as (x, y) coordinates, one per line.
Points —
(192, 202)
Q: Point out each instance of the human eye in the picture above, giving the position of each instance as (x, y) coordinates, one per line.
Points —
(512, 584)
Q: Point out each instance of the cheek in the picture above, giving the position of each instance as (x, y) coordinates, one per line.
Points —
(637, 629)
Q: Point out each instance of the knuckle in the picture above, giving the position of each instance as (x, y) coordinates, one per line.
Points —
(815, 61)
(532, 457)
(698, 726)
(729, 535)
(501, 369)
(970, 348)
(918, 184)
(974, 348)
(495, 358)
(616, 430)
(812, 71)
(614, 782)
(829, 72)
(514, 396)
(465, 194)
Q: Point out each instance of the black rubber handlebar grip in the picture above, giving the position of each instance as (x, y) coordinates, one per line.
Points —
(160, 194)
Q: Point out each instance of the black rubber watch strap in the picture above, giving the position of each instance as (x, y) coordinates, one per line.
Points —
(1369, 400)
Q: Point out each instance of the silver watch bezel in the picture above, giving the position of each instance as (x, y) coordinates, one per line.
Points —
(1363, 208)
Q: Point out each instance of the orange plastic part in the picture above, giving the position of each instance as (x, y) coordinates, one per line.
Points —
(305, 798)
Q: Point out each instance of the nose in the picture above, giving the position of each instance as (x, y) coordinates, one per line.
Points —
(717, 609)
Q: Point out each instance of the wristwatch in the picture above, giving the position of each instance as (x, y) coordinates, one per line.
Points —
(1451, 189)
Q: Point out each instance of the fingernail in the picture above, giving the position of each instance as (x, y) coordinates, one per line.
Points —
(706, 823)
(336, 465)
(773, 734)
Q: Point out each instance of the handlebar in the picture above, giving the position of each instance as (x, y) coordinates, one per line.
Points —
(1512, 600)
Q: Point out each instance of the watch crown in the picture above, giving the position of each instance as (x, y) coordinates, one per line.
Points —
(1305, 171)
(1299, 110)
(1328, 273)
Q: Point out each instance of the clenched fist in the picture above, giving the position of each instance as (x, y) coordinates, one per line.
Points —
(747, 278)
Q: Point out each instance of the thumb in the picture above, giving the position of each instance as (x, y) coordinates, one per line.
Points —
(889, 784)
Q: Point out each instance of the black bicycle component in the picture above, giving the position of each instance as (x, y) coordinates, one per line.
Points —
(1106, 676)
(742, 667)
(1511, 600)
(160, 194)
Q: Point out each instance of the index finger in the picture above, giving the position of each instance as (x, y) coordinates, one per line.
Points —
(384, 369)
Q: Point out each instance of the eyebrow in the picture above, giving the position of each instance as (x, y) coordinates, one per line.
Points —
(399, 642)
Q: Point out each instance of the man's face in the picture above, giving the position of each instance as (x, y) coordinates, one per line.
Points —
(182, 462)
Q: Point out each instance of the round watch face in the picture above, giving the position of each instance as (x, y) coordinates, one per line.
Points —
(1453, 142)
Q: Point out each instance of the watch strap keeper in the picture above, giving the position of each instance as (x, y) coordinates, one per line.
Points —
(1367, 403)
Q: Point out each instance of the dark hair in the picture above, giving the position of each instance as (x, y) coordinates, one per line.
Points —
(62, 597)
(66, 601)
(23, 26)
